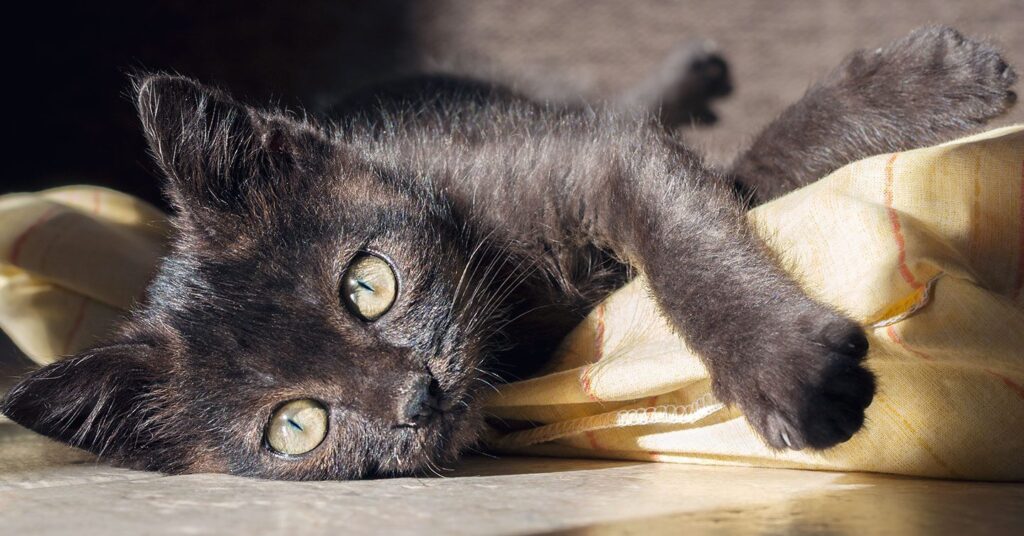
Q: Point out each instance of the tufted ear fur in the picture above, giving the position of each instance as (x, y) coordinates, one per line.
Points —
(217, 153)
(100, 400)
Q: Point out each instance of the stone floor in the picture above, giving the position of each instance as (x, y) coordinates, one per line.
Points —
(46, 488)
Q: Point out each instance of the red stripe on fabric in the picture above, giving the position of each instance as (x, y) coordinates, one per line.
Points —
(1014, 386)
(891, 332)
(897, 228)
(592, 439)
(585, 384)
(19, 242)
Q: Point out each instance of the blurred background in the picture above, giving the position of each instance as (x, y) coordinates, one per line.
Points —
(74, 120)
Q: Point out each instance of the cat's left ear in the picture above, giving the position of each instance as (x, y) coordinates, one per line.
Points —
(217, 153)
(100, 400)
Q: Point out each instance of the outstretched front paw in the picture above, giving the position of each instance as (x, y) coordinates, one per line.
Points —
(809, 388)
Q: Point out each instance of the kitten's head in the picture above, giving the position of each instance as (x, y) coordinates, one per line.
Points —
(314, 319)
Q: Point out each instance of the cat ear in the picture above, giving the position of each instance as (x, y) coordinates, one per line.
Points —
(214, 150)
(99, 400)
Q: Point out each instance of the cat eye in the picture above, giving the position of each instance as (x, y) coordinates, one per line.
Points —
(369, 287)
(297, 427)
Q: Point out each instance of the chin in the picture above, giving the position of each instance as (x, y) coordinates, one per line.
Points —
(434, 446)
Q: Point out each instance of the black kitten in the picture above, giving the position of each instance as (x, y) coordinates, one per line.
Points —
(336, 298)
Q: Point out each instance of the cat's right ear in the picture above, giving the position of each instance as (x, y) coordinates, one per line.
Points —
(101, 400)
(216, 152)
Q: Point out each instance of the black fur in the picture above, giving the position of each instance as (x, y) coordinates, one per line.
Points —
(507, 221)
(928, 87)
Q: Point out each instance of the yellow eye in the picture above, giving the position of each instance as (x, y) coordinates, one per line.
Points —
(297, 427)
(369, 287)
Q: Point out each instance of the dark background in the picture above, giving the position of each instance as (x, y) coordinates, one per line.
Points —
(71, 118)
(75, 120)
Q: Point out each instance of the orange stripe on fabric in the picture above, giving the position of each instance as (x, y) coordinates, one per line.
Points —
(19, 242)
(1020, 237)
(897, 228)
(592, 439)
(891, 332)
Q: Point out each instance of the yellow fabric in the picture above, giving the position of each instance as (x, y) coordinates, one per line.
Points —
(72, 260)
(925, 247)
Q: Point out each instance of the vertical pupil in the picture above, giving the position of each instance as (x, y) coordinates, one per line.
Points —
(369, 287)
(295, 425)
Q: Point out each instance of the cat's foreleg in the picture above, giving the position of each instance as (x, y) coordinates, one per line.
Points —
(793, 365)
(927, 87)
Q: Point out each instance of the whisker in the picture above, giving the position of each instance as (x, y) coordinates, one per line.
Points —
(487, 383)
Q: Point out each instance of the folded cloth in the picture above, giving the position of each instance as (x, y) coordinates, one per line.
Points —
(72, 261)
(925, 248)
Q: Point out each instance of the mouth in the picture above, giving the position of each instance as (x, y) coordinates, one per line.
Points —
(434, 440)
(447, 401)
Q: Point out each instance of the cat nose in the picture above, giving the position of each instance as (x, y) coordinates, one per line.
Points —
(417, 402)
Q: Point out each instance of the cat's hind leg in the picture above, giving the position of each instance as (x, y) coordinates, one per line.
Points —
(930, 86)
(680, 90)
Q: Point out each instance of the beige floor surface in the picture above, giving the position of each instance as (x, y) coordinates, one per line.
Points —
(46, 488)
